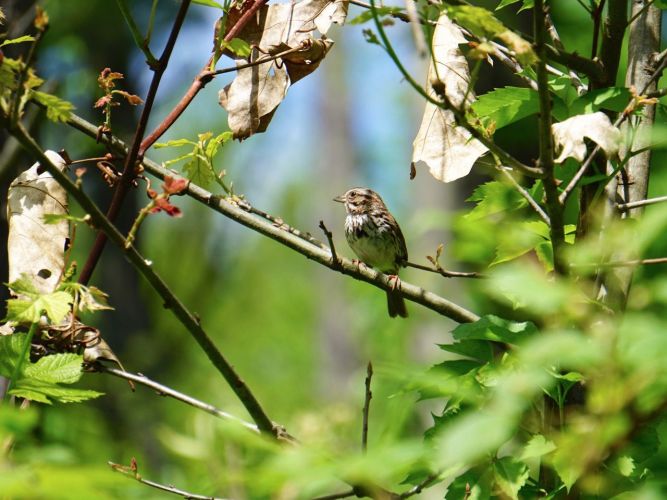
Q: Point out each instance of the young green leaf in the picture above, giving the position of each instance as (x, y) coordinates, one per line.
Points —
(506, 105)
(538, 446)
(367, 15)
(56, 305)
(64, 368)
(44, 392)
(20, 39)
(57, 110)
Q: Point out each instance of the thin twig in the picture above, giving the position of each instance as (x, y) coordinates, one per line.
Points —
(135, 152)
(637, 14)
(445, 272)
(302, 46)
(555, 38)
(131, 472)
(163, 390)
(310, 250)
(460, 115)
(367, 407)
(202, 78)
(625, 263)
(334, 257)
(524, 192)
(336, 496)
(624, 207)
(418, 488)
(189, 320)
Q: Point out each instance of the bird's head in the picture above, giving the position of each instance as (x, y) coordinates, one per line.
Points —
(360, 200)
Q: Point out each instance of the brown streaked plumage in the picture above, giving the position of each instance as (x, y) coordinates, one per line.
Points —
(376, 238)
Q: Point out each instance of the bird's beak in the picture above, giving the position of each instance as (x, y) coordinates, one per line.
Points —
(340, 199)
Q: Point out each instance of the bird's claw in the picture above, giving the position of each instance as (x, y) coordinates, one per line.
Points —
(396, 281)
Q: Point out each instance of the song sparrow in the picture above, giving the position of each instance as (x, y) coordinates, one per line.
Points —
(374, 235)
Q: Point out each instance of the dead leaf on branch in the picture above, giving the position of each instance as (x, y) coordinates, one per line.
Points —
(35, 248)
(256, 92)
(569, 136)
(447, 149)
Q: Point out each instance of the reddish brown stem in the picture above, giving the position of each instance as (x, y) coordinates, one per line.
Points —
(134, 154)
(203, 77)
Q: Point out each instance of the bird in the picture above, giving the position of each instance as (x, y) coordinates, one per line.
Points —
(376, 238)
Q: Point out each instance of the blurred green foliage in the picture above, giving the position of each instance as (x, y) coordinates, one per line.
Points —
(547, 384)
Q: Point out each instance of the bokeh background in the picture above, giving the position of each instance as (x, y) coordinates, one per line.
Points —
(300, 335)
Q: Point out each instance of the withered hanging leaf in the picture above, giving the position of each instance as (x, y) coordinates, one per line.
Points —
(447, 149)
(35, 248)
(256, 92)
(569, 136)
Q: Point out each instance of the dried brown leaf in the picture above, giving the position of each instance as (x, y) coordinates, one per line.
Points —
(35, 248)
(448, 150)
(256, 92)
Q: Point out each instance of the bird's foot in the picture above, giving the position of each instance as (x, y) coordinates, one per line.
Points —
(359, 264)
(396, 281)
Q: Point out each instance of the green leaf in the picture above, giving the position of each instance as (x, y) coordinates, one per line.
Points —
(471, 486)
(480, 21)
(238, 46)
(496, 329)
(44, 392)
(506, 105)
(527, 4)
(57, 109)
(610, 98)
(174, 143)
(510, 475)
(476, 349)
(56, 305)
(367, 15)
(538, 446)
(23, 286)
(522, 238)
(494, 197)
(625, 465)
(64, 368)
(199, 171)
(21, 39)
(209, 3)
(11, 348)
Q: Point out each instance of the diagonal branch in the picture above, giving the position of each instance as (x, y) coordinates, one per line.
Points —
(144, 266)
(163, 390)
(235, 210)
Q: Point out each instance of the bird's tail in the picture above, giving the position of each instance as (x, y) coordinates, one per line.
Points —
(396, 304)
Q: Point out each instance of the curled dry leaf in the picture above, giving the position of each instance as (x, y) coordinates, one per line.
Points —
(448, 150)
(569, 136)
(256, 92)
(35, 248)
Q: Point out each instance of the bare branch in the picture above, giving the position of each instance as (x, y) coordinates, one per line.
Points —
(367, 407)
(624, 207)
(524, 192)
(332, 247)
(444, 272)
(163, 390)
(190, 321)
(233, 210)
(336, 496)
(430, 480)
(546, 162)
(555, 38)
(131, 472)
